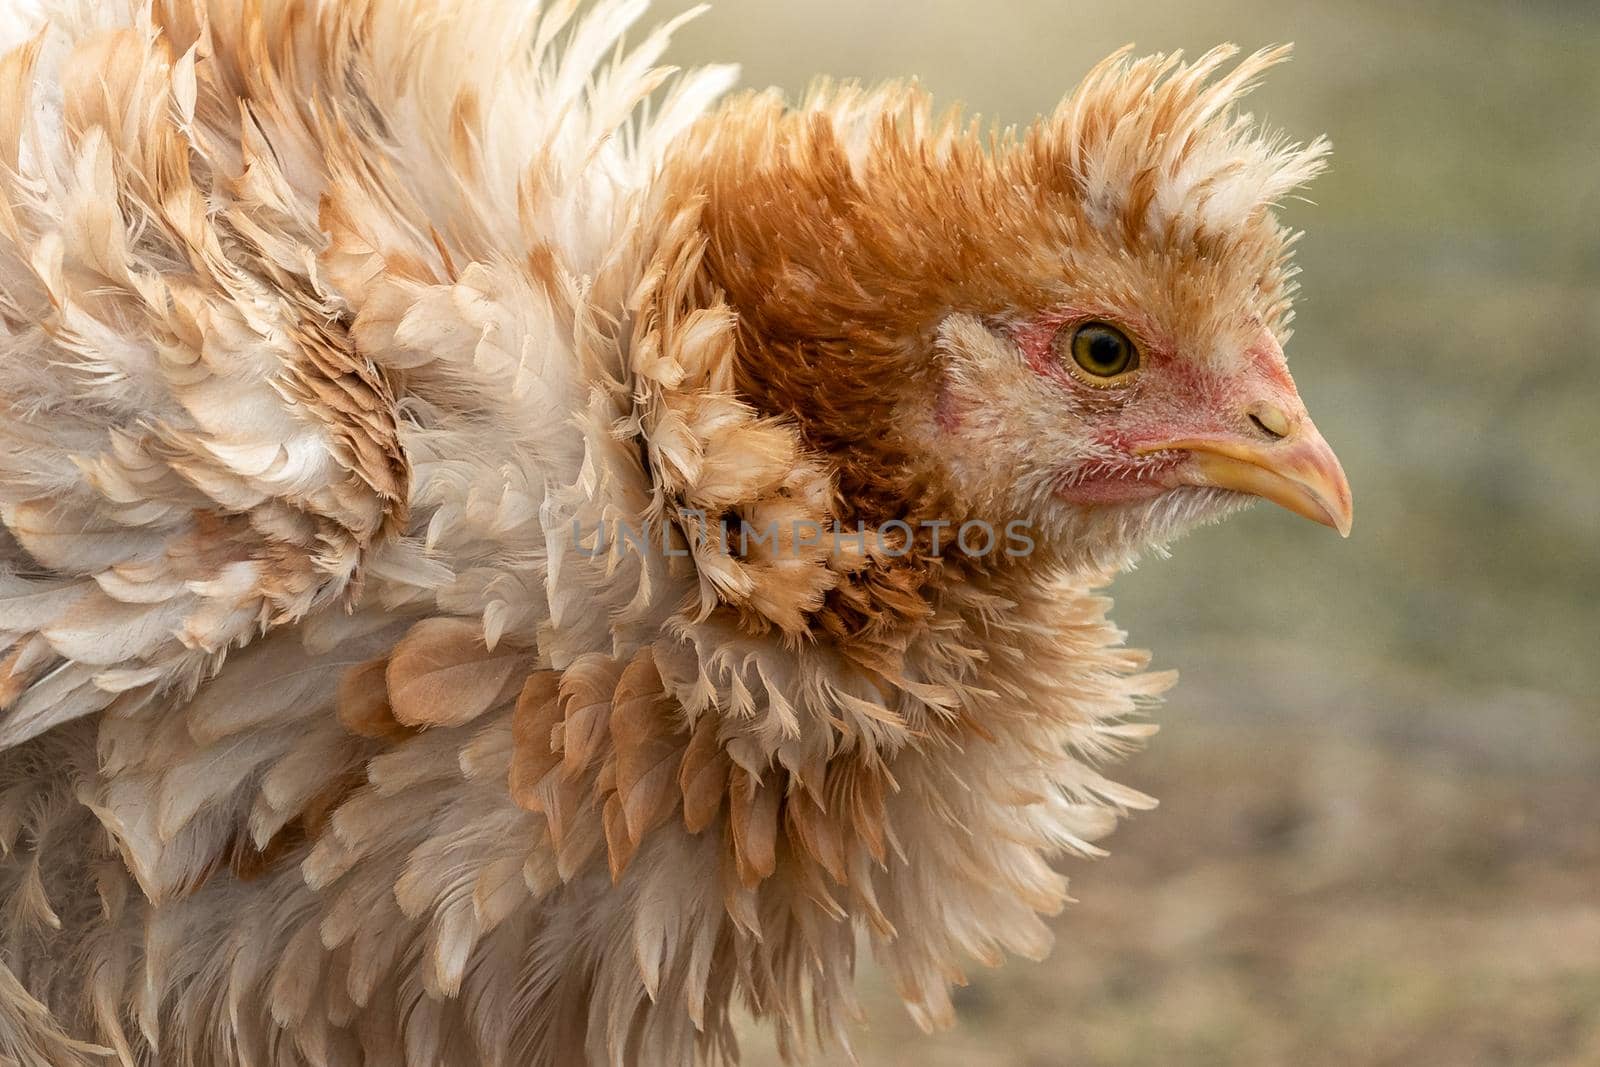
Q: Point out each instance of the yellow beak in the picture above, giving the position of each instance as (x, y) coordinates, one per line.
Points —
(1297, 471)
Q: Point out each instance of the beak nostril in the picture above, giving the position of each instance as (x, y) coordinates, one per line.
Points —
(1264, 428)
(1270, 421)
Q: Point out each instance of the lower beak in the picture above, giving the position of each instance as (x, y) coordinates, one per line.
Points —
(1298, 472)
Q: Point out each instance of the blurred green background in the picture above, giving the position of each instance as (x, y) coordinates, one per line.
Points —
(1380, 834)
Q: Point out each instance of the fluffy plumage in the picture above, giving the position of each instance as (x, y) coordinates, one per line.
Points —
(382, 679)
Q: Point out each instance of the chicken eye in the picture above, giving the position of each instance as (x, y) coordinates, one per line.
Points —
(1103, 351)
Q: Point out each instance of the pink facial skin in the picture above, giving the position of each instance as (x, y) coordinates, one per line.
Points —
(947, 412)
(1170, 399)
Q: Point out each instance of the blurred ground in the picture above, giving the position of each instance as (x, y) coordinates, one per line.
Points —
(1379, 840)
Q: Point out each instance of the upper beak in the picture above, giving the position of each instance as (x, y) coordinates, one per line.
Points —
(1295, 468)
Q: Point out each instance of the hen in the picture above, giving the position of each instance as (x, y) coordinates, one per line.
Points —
(504, 559)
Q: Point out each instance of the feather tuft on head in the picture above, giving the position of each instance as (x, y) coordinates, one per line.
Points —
(1156, 147)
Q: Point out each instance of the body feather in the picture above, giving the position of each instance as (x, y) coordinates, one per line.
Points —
(369, 692)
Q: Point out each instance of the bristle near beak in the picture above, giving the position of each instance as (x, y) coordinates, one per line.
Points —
(1297, 470)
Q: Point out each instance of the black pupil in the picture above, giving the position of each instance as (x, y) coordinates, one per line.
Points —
(1105, 350)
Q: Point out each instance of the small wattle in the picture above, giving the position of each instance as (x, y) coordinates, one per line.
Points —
(1114, 483)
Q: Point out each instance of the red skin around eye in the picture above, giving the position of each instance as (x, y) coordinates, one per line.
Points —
(1037, 341)
(1037, 338)
(1123, 475)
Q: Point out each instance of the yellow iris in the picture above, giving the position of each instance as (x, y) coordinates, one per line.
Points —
(1102, 351)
